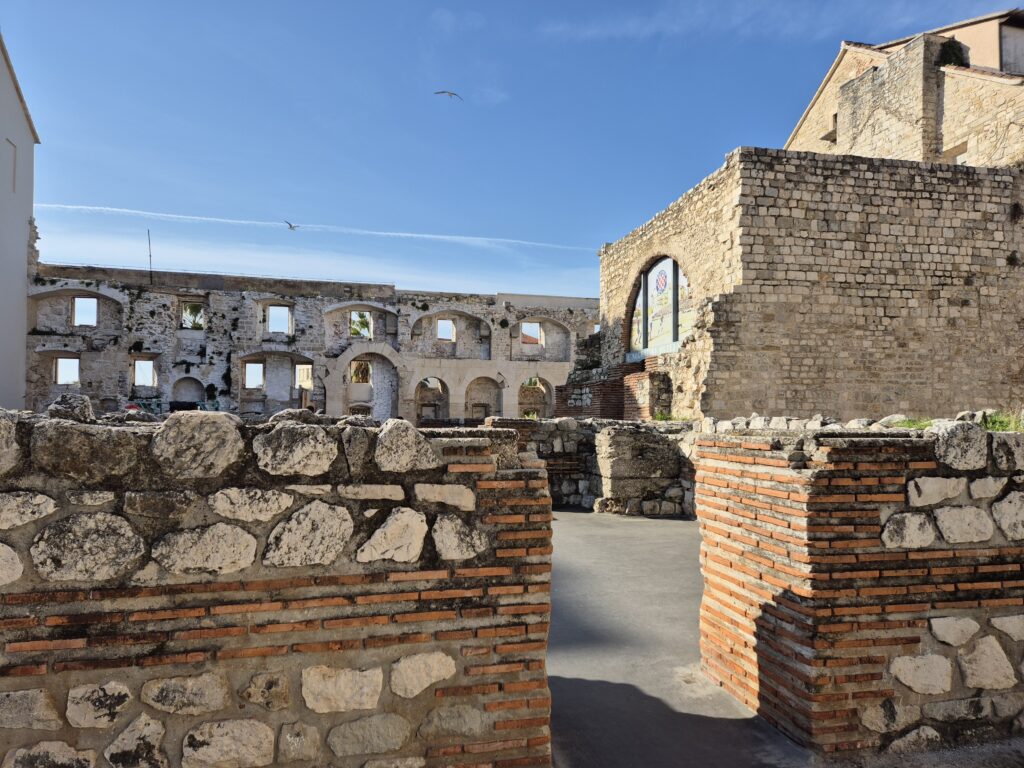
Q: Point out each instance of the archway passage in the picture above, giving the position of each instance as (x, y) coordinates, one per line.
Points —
(483, 399)
(187, 394)
(536, 399)
(432, 402)
(372, 387)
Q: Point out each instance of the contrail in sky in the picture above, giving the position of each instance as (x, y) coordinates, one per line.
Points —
(487, 242)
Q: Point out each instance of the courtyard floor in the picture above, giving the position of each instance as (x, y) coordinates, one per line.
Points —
(624, 660)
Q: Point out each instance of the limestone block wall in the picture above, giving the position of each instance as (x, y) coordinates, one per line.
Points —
(864, 592)
(207, 593)
(982, 116)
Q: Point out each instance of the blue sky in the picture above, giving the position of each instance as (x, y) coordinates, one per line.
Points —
(581, 119)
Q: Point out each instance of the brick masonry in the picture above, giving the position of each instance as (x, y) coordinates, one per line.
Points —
(315, 592)
(864, 592)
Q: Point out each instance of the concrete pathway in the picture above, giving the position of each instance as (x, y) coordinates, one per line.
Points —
(624, 661)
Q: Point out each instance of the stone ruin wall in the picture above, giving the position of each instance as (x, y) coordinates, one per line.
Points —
(139, 318)
(204, 593)
(863, 591)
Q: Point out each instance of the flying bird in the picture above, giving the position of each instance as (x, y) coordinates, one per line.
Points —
(449, 94)
(291, 226)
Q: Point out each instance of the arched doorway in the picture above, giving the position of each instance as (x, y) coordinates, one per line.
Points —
(536, 399)
(432, 401)
(187, 394)
(372, 387)
(483, 399)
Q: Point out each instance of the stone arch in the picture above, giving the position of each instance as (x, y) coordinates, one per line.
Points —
(681, 317)
(377, 395)
(433, 400)
(187, 389)
(473, 337)
(336, 323)
(52, 309)
(536, 398)
(555, 346)
(483, 398)
(336, 382)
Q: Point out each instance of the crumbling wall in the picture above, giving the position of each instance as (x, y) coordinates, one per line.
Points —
(202, 592)
(862, 590)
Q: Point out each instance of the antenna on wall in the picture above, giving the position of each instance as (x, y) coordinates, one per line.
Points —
(149, 241)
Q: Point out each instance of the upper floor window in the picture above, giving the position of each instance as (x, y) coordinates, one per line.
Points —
(144, 373)
(663, 311)
(360, 324)
(85, 310)
(597, 328)
(531, 333)
(303, 376)
(193, 316)
(446, 330)
(252, 376)
(360, 372)
(65, 371)
(279, 318)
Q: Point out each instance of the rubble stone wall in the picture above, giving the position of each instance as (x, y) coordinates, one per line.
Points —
(206, 593)
(864, 591)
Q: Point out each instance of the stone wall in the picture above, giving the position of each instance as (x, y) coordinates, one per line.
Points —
(207, 593)
(863, 591)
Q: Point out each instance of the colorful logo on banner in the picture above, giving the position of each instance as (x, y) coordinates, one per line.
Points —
(661, 281)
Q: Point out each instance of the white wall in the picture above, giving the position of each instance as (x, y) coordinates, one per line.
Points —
(17, 147)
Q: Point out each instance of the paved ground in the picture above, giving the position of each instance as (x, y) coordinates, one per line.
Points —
(624, 656)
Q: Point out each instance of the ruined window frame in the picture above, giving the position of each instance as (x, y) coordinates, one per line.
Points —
(290, 318)
(77, 381)
(450, 324)
(354, 365)
(302, 383)
(682, 313)
(153, 382)
(355, 331)
(246, 380)
(197, 319)
(75, 311)
(539, 336)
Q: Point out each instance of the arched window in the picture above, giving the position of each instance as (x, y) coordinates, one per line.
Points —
(663, 311)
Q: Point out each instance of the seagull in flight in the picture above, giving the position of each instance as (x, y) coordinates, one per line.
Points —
(291, 226)
(449, 94)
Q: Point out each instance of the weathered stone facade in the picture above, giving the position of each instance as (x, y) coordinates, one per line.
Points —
(487, 369)
(378, 598)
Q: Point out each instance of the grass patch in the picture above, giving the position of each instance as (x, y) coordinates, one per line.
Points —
(913, 424)
(1004, 422)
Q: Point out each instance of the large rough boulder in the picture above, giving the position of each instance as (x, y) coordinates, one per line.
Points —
(458, 496)
(188, 695)
(1011, 625)
(1008, 451)
(31, 709)
(21, 507)
(10, 565)
(925, 491)
(228, 744)
(50, 754)
(960, 444)
(10, 451)
(399, 539)
(954, 630)
(197, 445)
(908, 530)
(411, 675)
(97, 706)
(929, 674)
(298, 741)
(637, 453)
(269, 690)
(457, 720)
(88, 453)
(73, 407)
(358, 444)
(403, 448)
(291, 448)
(330, 689)
(218, 548)
(140, 745)
(987, 487)
(917, 740)
(370, 735)
(315, 535)
(455, 540)
(250, 504)
(1009, 515)
(962, 525)
(889, 716)
(986, 666)
(88, 546)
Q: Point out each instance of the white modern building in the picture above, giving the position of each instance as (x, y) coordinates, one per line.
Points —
(18, 138)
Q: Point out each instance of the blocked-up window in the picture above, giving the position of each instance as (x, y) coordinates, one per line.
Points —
(145, 373)
(446, 330)
(193, 316)
(360, 325)
(531, 333)
(480, 411)
(85, 310)
(304, 376)
(252, 376)
(65, 370)
(279, 318)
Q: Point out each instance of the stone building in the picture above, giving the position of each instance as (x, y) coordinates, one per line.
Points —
(880, 273)
(18, 138)
(252, 345)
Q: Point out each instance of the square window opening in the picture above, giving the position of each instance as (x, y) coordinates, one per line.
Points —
(360, 325)
(361, 372)
(253, 376)
(193, 317)
(446, 330)
(304, 376)
(66, 371)
(532, 334)
(145, 373)
(85, 311)
(279, 319)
